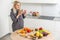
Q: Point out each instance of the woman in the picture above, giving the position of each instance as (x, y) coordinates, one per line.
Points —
(17, 16)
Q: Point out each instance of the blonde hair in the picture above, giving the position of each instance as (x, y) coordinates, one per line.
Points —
(15, 2)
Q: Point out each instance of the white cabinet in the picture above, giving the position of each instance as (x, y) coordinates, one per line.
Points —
(38, 1)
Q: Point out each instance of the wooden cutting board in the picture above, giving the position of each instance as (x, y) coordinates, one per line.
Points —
(15, 36)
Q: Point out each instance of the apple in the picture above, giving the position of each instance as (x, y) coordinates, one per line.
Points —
(40, 28)
(29, 31)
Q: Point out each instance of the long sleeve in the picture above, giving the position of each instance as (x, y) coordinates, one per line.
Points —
(23, 15)
(13, 17)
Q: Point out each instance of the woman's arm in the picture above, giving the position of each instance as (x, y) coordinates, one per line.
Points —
(13, 17)
(24, 13)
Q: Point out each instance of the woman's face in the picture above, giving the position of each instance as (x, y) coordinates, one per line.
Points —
(17, 6)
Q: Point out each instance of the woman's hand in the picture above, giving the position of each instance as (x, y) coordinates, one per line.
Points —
(24, 12)
(17, 16)
(19, 13)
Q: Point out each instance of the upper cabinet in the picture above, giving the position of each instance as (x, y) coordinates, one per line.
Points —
(39, 1)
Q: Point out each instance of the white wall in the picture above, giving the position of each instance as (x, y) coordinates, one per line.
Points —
(58, 7)
(44, 9)
(4, 12)
(32, 7)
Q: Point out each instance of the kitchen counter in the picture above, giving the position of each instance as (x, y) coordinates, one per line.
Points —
(40, 17)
